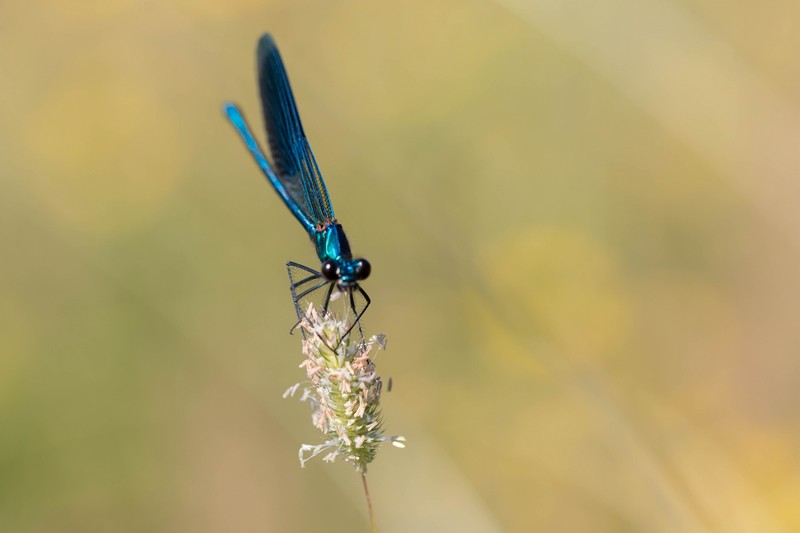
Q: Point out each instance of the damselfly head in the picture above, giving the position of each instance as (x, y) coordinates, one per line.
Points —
(347, 272)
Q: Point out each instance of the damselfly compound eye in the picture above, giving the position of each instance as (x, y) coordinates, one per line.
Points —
(363, 269)
(330, 271)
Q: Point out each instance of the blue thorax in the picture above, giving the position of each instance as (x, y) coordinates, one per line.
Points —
(332, 245)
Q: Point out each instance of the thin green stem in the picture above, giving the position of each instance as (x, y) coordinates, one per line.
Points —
(369, 503)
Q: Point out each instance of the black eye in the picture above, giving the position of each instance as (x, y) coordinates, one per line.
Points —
(363, 269)
(329, 270)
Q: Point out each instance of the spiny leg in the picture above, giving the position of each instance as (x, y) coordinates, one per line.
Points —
(300, 297)
(293, 285)
(312, 289)
(355, 313)
(358, 317)
(357, 320)
(303, 267)
(366, 297)
(328, 299)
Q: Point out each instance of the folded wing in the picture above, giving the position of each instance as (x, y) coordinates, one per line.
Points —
(294, 162)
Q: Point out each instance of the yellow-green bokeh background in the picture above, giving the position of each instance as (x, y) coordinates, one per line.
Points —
(583, 224)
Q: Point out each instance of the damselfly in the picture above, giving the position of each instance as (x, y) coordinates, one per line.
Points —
(297, 179)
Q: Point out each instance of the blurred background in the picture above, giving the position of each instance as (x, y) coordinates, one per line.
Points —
(583, 224)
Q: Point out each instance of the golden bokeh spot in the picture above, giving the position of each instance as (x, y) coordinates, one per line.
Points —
(563, 288)
(102, 154)
(500, 340)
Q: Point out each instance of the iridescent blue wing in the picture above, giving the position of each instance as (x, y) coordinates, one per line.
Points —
(296, 167)
(287, 195)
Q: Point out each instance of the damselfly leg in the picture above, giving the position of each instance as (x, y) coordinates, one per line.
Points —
(358, 314)
(301, 288)
(304, 280)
